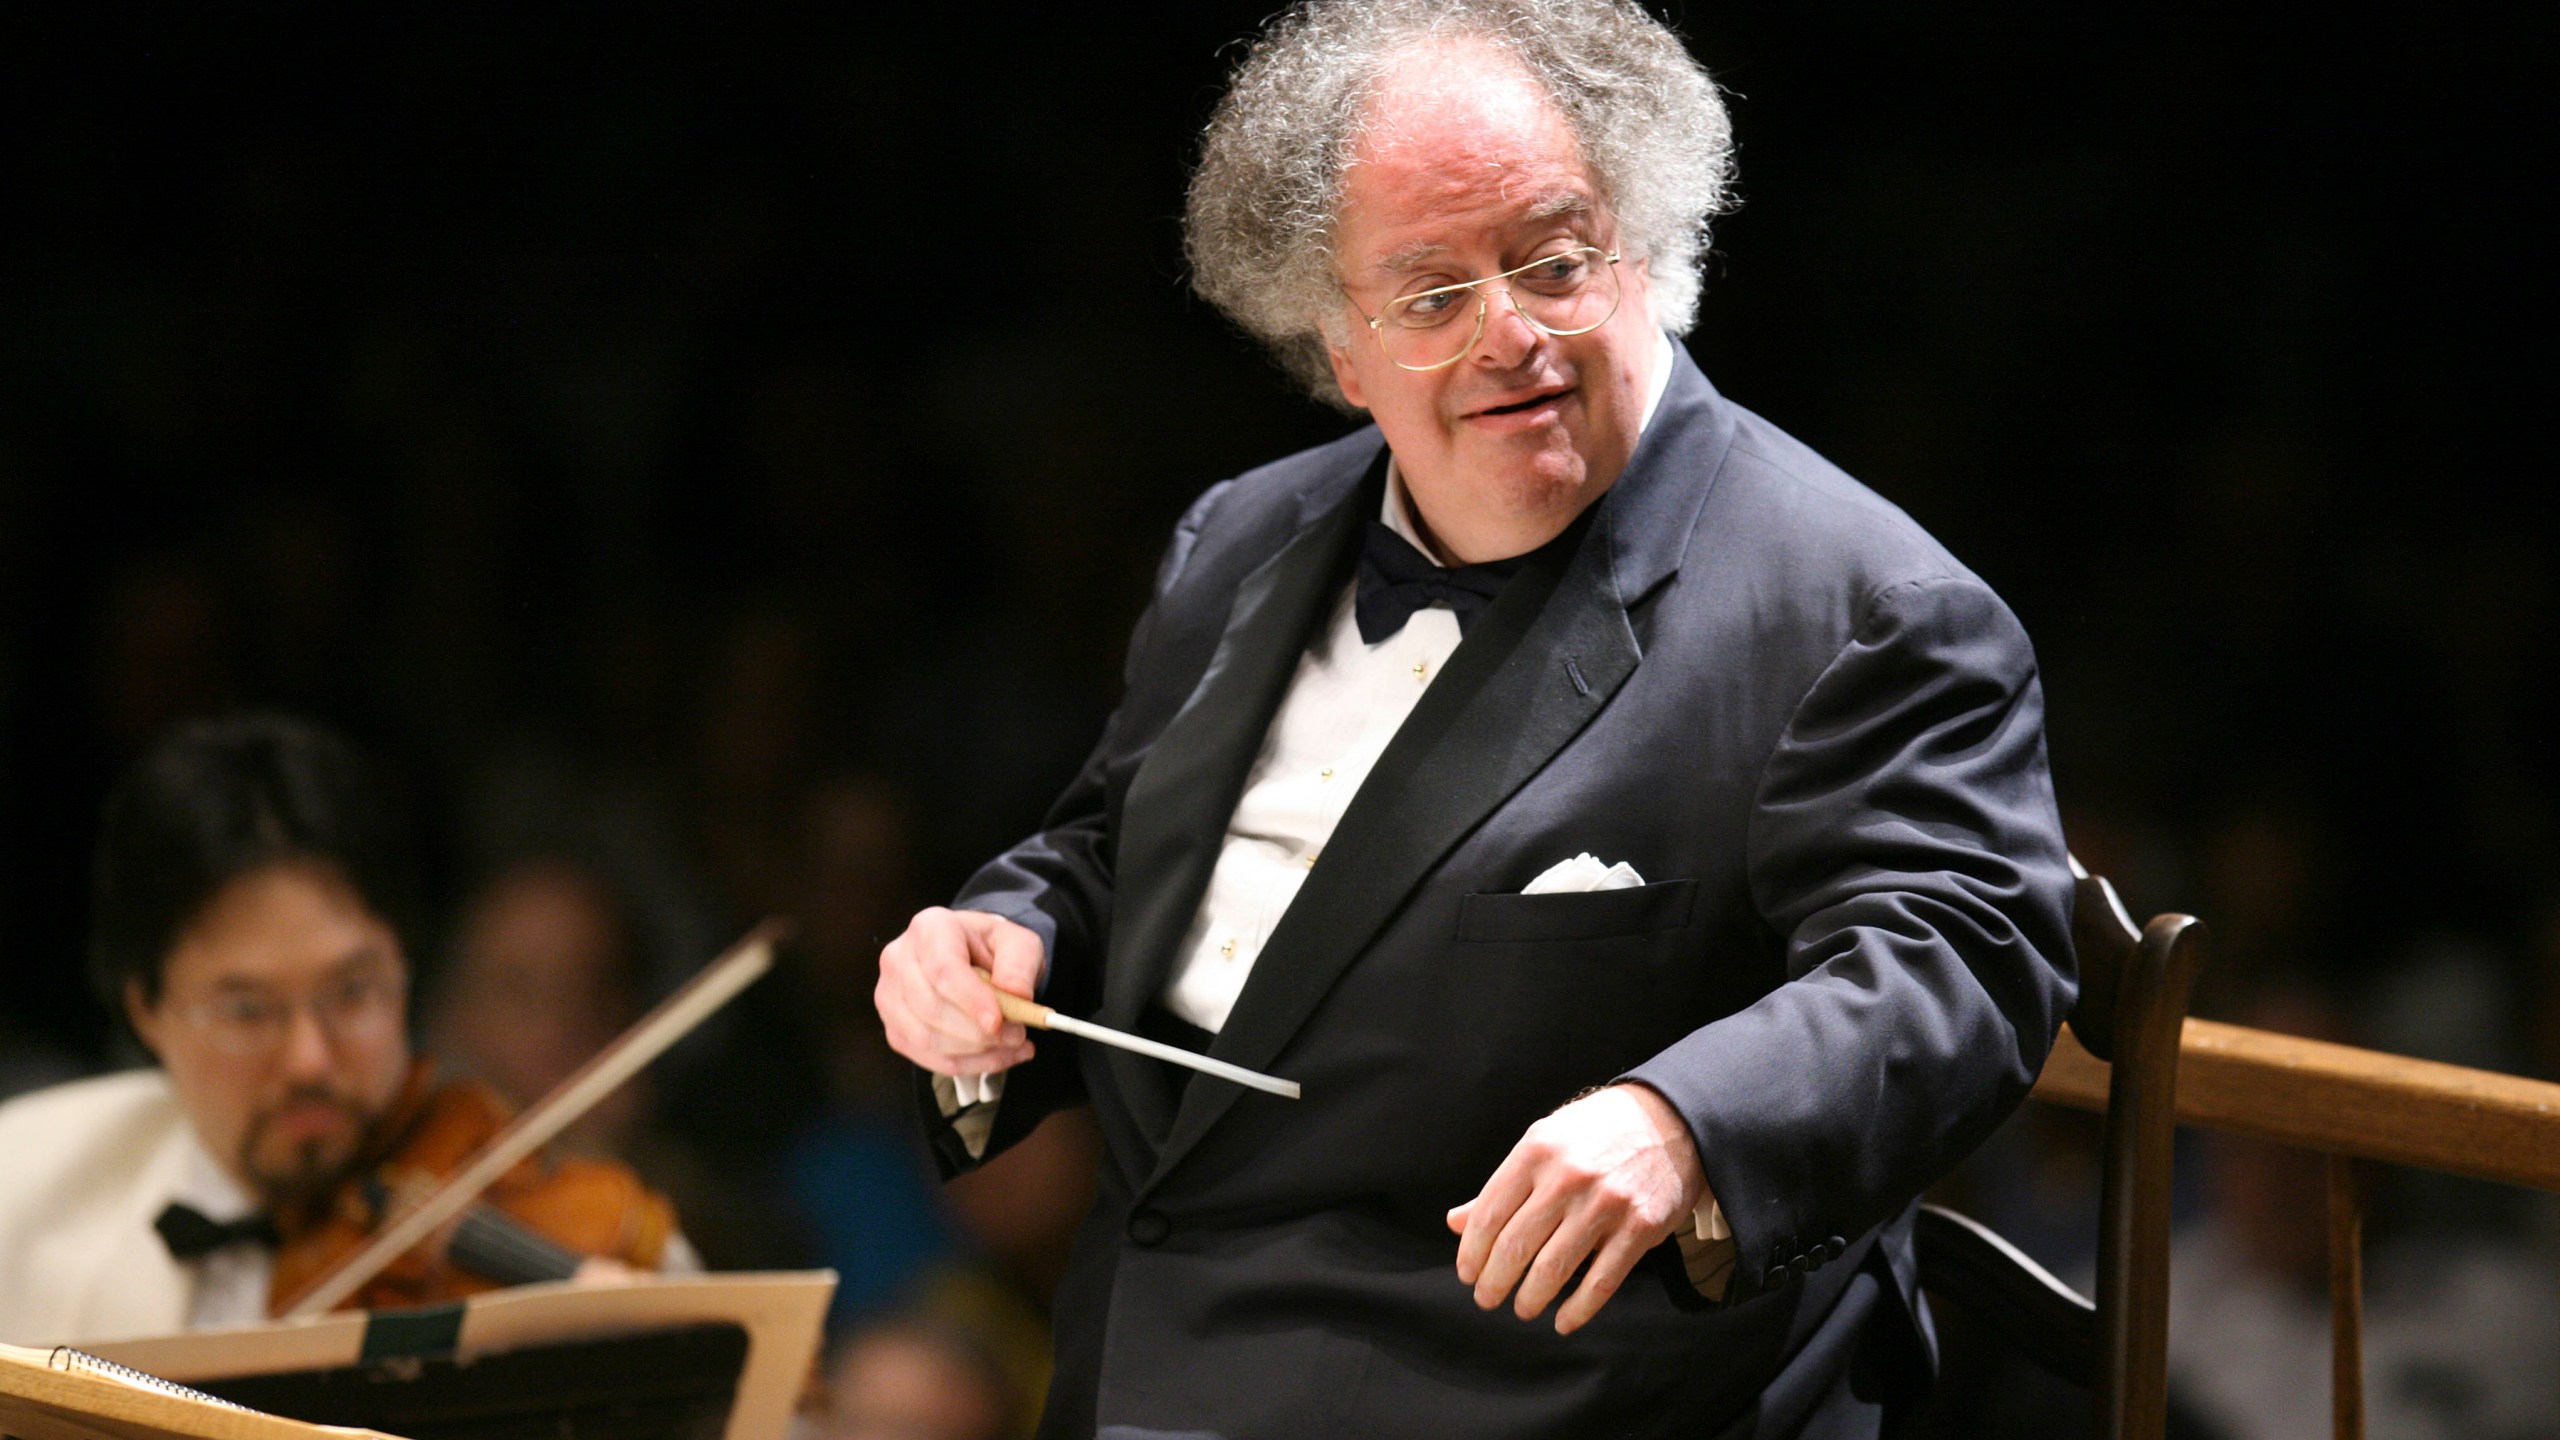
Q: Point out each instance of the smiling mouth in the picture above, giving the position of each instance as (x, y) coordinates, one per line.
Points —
(1532, 403)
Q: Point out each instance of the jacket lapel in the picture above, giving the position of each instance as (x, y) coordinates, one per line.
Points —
(1179, 802)
(1534, 668)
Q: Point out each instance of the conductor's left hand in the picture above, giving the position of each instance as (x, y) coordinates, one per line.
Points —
(1606, 1178)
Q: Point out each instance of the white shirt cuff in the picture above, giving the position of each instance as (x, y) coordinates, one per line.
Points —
(969, 1103)
(1709, 1219)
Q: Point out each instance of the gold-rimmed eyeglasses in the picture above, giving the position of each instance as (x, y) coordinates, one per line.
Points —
(358, 1008)
(1569, 292)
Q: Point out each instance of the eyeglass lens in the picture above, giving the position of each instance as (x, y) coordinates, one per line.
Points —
(1567, 293)
(355, 1007)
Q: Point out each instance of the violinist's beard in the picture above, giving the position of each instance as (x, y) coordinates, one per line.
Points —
(288, 1172)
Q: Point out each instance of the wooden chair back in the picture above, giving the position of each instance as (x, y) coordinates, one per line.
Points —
(2134, 987)
(2356, 1106)
(2130, 1052)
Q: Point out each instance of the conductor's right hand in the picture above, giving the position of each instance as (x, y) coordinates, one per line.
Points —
(933, 995)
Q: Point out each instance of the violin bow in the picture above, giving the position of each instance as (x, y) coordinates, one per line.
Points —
(671, 1020)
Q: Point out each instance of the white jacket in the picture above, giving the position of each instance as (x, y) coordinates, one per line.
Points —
(85, 1168)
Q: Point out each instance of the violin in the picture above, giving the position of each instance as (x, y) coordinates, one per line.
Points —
(410, 1227)
(540, 1220)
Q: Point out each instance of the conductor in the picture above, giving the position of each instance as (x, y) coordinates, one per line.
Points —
(1632, 832)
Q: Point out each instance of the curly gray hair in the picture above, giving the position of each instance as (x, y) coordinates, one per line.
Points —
(1258, 228)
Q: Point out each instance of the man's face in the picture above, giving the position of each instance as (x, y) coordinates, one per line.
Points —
(282, 1021)
(1468, 170)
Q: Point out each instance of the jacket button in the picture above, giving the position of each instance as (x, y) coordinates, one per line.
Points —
(1802, 1262)
(1833, 1247)
(1149, 1227)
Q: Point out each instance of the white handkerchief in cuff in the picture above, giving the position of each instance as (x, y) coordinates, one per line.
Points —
(1585, 872)
(968, 1102)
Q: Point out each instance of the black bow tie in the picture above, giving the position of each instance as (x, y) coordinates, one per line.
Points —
(1396, 580)
(190, 1235)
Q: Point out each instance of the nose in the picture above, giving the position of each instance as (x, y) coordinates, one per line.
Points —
(308, 1050)
(1508, 336)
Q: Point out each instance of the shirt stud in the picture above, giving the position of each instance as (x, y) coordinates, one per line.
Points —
(1228, 950)
(1420, 669)
(1325, 774)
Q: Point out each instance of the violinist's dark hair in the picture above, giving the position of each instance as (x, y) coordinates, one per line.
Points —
(216, 799)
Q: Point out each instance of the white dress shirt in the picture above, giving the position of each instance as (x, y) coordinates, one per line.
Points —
(1346, 702)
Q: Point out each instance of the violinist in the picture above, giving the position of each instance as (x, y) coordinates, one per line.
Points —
(253, 897)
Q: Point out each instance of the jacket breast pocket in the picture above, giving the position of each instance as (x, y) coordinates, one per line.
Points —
(1577, 914)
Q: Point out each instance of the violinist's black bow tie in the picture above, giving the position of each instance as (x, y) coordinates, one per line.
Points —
(190, 1235)
(1396, 580)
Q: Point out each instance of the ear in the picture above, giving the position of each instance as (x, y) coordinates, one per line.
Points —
(1344, 375)
(142, 1016)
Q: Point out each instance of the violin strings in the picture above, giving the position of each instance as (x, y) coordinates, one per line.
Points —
(495, 1246)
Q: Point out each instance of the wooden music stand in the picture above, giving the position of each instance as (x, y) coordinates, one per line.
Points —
(41, 1399)
(707, 1357)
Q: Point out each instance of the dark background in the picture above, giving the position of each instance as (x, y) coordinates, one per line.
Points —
(666, 414)
(736, 447)
(731, 448)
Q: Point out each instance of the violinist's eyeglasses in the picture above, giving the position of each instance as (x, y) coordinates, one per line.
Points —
(1569, 292)
(354, 1009)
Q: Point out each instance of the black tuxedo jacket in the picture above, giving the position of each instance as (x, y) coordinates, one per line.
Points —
(1820, 739)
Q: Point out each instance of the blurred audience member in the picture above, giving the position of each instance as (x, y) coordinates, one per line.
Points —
(858, 884)
(2455, 999)
(545, 971)
(542, 975)
(980, 1256)
(915, 1379)
(858, 1187)
(1019, 1214)
(854, 1170)
(2459, 1329)
(1020, 1210)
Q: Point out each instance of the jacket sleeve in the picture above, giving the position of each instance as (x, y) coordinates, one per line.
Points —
(1905, 842)
(1058, 884)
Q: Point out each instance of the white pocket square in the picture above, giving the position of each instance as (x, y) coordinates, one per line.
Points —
(1583, 872)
